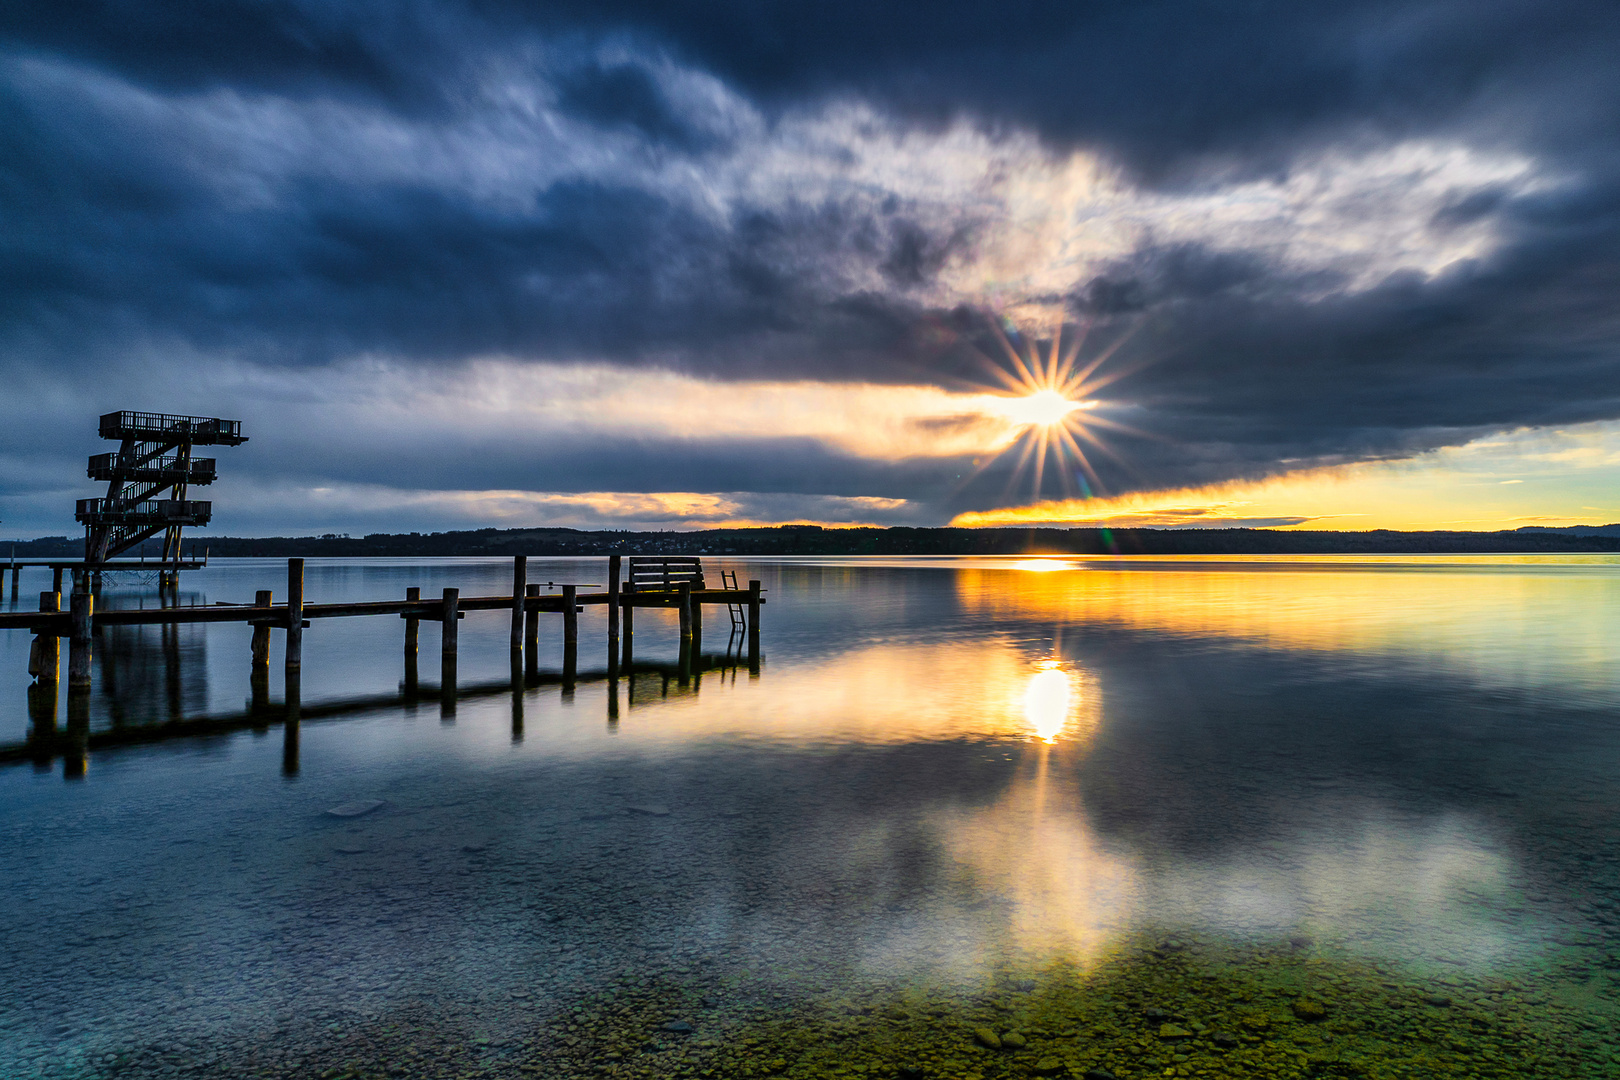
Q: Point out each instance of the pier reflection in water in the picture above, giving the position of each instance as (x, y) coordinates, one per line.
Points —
(1375, 783)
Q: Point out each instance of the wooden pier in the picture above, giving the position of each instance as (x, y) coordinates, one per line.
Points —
(652, 582)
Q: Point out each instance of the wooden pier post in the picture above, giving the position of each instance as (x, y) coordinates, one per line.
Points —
(753, 627)
(697, 629)
(520, 581)
(570, 594)
(447, 654)
(683, 601)
(259, 674)
(627, 603)
(16, 575)
(45, 657)
(452, 612)
(82, 606)
(45, 664)
(56, 580)
(261, 635)
(613, 614)
(412, 631)
(531, 631)
(295, 615)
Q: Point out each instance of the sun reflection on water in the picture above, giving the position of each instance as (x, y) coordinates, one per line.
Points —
(1042, 566)
(1048, 698)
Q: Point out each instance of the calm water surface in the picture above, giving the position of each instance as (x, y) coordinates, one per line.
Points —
(1395, 776)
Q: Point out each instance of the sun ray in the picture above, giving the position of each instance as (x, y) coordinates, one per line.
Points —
(1027, 448)
(1021, 369)
(1077, 385)
(1040, 459)
(1000, 372)
(1098, 420)
(1080, 456)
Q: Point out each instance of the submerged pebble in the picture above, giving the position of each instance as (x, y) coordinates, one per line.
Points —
(354, 809)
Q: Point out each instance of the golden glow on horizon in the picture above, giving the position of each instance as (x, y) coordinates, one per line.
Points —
(1527, 477)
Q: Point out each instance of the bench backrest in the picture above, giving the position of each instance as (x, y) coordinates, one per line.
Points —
(664, 573)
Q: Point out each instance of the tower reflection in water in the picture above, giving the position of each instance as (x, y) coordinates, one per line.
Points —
(143, 675)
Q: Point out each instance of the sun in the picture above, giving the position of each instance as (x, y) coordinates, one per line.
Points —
(1048, 400)
(1040, 409)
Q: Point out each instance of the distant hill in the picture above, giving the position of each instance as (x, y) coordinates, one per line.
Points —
(814, 540)
(1573, 530)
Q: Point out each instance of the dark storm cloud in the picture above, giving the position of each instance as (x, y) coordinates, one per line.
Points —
(625, 95)
(145, 208)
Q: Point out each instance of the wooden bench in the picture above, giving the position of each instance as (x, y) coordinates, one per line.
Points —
(664, 573)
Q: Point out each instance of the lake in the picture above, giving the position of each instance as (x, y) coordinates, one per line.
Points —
(1300, 816)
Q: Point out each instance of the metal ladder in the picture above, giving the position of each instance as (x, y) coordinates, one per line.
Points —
(739, 620)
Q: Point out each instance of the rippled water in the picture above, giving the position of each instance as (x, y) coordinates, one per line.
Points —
(1104, 785)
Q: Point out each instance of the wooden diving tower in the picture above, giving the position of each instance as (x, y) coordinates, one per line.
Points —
(154, 456)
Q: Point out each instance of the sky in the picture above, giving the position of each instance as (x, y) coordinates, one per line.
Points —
(468, 263)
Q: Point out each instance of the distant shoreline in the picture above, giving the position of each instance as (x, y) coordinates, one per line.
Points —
(814, 540)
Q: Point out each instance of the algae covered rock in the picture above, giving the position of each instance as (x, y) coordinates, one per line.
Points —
(1310, 1010)
(985, 1037)
(1048, 1066)
(1012, 1040)
(1171, 1031)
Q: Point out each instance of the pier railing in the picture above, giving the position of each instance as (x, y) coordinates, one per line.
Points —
(158, 427)
(118, 512)
(160, 471)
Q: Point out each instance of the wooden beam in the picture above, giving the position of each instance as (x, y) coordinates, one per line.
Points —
(570, 636)
(627, 599)
(449, 613)
(531, 628)
(46, 663)
(83, 607)
(447, 654)
(613, 612)
(520, 582)
(754, 603)
(295, 614)
(261, 633)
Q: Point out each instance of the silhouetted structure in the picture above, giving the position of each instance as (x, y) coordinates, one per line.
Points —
(154, 455)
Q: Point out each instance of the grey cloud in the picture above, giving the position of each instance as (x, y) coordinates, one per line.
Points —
(120, 241)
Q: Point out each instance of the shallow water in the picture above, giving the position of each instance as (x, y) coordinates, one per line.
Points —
(1109, 786)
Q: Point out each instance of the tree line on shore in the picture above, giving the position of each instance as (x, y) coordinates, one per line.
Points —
(815, 540)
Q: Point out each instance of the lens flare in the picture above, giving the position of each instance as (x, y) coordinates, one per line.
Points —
(1048, 395)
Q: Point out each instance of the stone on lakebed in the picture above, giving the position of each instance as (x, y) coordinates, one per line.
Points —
(356, 808)
(1310, 1010)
